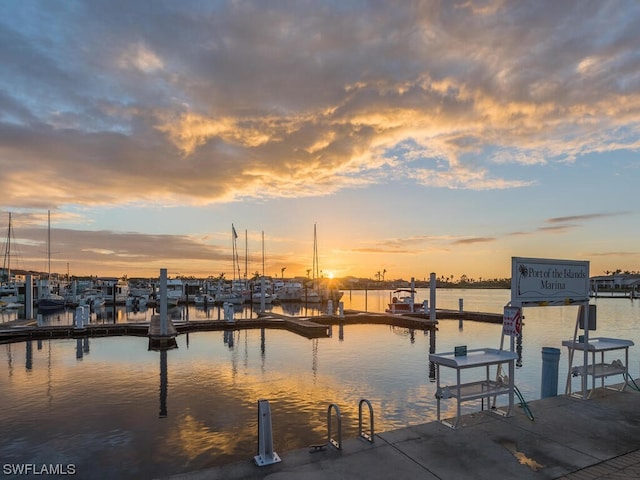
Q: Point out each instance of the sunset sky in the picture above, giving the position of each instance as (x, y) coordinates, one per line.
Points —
(435, 136)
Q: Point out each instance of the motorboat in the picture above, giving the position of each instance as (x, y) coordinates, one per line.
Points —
(403, 301)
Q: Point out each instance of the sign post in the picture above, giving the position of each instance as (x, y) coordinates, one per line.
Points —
(544, 281)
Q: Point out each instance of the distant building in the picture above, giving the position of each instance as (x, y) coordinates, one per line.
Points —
(617, 281)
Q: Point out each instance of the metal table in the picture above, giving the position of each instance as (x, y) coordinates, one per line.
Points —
(598, 370)
(484, 388)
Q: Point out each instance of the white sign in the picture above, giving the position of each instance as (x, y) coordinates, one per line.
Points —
(542, 281)
(511, 321)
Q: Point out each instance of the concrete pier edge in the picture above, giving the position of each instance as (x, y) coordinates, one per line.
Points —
(569, 439)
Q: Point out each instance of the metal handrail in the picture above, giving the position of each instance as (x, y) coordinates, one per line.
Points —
(367, 436)
(330, 440)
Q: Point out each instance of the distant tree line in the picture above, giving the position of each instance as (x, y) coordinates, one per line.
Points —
(619, 271)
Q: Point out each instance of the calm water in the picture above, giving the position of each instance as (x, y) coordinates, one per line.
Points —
(114, 409)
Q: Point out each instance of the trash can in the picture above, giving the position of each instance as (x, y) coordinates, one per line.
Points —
(550, 362)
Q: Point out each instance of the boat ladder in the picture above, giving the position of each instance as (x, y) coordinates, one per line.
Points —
(367, 436)
(330, 441)
(337, 444)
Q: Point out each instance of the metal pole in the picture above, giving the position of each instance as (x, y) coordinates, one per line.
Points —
(432, 297)
(164, 330)
(28, 297)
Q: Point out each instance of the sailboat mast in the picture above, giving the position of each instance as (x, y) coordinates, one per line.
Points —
(316, 271)
(7, 254)
(246, 254)
(263, 253)
(234, 252)
(49, 245)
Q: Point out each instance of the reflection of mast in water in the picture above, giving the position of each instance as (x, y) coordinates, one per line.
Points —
(412, 335)
(262, 349)
(29, 360)
(246, 350)
(314, 358)
(164, 384)
(49, 395)
(432, 349)
(229, 340)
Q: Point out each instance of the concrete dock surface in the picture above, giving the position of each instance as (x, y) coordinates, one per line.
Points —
(569, 438)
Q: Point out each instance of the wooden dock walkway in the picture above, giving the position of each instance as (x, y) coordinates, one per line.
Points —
(306, 326)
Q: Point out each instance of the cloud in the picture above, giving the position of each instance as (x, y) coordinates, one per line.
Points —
(193, 103)
(589, 216)
(472, 240)
(131, 251)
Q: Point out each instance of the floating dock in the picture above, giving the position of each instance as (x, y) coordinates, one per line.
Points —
(306, 326)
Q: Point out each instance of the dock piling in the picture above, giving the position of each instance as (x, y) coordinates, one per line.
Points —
(28, 297)
(432, 297)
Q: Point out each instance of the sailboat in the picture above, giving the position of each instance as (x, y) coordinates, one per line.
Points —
(262, 289)
(319, 292)
(8, 288)
(224, 294)
(49, 301)
(311, 294)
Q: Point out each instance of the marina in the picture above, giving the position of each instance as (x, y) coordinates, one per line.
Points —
(194, 407)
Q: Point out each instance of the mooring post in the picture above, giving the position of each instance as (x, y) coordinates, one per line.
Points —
(461, 309)
(164, 327)
(432, 297)
(86, 314)
(78, 318)
(228, 312)
(28, 297)
(341, 309)
(330, 307)
(266, 455)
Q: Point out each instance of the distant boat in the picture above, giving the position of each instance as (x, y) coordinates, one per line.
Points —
(10, 305)
(311, 295)
(320, 290)
(403, 303)
(257, 295)
(228, 297)
(92, 297)
(204, 300)
(290, 292)
(51, 302)
(175, 292)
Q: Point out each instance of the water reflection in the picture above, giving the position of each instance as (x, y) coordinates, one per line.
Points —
(82, 347)
(29, 353)
(163, 384)
(124, 424)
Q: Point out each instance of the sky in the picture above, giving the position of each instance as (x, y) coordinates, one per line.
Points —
(416, 137)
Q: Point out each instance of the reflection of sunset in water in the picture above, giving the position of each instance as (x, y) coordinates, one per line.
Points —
(76, 400)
